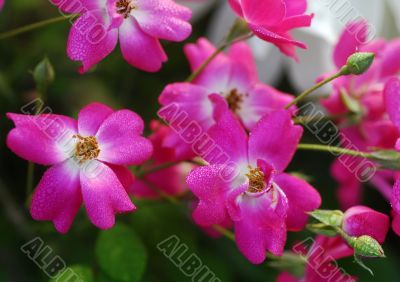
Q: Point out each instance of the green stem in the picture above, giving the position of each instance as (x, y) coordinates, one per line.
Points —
(144, 172)
(315, 87)
(221, 48)
(227, 233)
(33, 26)
(333, 149)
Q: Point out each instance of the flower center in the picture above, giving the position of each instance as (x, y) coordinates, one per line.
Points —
(87, 148)
(124, 7)
(234, 99)
(256, 180)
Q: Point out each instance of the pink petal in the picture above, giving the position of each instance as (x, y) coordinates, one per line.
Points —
(227, 133)
(58, 196)
(263, 12)
(302, 198)
(395, 200)
(286, 277)
(1, 4)
(78, 7)
(198, 52)
(104, 196)
(350, 41)
(164, 19)
(261, 100)
(43, 139)
(244, 69)
(140, 49)
(91, 117)
(90, 43)
(262, 227)
(391, 59)
(295, 7)
(361, 220)
(392, 100)
(124, 175)
(120, 139)
(274, 139)
(208, 186)
(396, 224)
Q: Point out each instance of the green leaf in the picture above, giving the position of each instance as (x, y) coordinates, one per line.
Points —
(121, 254)
(75, 273)
(328, 217)
(322, 229)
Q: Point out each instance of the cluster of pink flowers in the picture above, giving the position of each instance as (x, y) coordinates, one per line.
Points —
(375, 124)
(240, 129)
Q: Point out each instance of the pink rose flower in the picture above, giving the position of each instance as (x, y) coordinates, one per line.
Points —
(169, 180)
(234, 77)
(88, 160)
(245, 182)
(361, 220)
(138, 24)
(272, 20)
(392, 102)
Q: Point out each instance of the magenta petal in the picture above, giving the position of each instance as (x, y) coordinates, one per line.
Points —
(295, 7)
(360, 220)
(350, 41)
(286, 277)
(302, 198)
(263, 12)
(164, 19)
(103, 195)
(392, 100)
(120, 139)
(236, 7)
(227, 133)
(91, 117)
(274, 139)
(58, 196)
(124, 175)
(90, 43)
(262, 226)
(1, 4)
(43, 139)
(396, 223)
(140, 49)
(208, 186)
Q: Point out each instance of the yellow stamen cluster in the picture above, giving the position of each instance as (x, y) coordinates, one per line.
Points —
(87, 148)
(256, 180)
(234, 99)
(124, 7)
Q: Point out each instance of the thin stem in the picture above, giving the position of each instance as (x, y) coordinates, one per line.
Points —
(333, 149)
(227, 233)
(315, 87)
(221, 48)
(33, 26)
(144, 172)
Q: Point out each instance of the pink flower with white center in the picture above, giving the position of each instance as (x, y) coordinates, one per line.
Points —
(321, 261)
(361, 220)
(234, 77)
(138, 24)
(88, 160)
(272, 20)
(261, 200)
(169, 180)
(392, 102)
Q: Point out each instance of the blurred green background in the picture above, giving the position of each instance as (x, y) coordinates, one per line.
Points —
(119, 85)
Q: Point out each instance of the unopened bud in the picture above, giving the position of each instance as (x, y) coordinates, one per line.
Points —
(358, 63)
(367, 246)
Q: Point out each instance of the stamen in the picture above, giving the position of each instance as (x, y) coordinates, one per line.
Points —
(87, 148)
(256, 180)
(235, 99)
(124, 7)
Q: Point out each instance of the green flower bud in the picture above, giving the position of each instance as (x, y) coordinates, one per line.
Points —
(43, 74)
(358, 63)
(367, 246)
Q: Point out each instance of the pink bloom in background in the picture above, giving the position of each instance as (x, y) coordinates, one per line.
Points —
(361, 220)
(88, 160)
(321, 261)
(1, 4)
(234, 77)
(138, 24)
(392, 102)
(245, 182)
(272, 20)
(169, 180)
(372, 127)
